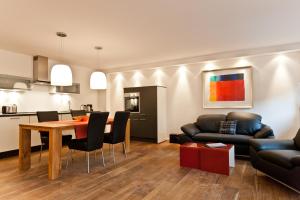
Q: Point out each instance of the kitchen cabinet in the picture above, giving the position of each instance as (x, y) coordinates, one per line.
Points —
(148, 121)
(9, 132)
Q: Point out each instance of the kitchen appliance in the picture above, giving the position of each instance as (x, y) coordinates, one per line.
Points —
(40, 70)
(9, 109)
(132, 102)
(87, 107)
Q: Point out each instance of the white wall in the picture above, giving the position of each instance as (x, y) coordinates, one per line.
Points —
(276, 81)
(39, 98)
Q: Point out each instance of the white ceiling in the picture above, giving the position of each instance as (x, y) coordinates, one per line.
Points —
(135, 32)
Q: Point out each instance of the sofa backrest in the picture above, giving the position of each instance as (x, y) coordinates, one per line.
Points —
(297, 139)
(247, 123)
(210, 123)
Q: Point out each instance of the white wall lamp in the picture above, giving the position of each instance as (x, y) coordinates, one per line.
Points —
(98, 79)
(61, 74)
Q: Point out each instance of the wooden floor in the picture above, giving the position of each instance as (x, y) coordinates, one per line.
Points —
(150, 171)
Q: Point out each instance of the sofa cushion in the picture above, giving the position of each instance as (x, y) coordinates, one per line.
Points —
(297, 139)
(210, 123)
(282, 158)
(228, 127)
(224, 138)
(247, 123)
(190, 129)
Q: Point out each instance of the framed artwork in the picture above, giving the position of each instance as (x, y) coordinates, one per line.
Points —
(228, 88)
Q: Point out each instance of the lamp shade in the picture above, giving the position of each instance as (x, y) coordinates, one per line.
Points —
(98, 81)
(61, 75)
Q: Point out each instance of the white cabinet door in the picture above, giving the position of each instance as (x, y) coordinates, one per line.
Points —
(9, 132)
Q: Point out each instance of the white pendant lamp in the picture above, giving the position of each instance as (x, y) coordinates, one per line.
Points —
(61, 74)
(98, 79)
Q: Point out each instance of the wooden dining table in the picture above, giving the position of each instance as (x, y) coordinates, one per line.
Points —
(55, 129)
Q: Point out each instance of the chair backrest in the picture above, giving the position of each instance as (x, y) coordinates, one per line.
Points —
(46, 116)
(76, 113)
(95, 131)
(119, 126)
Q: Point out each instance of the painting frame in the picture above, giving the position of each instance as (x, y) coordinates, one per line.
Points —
(247, 72)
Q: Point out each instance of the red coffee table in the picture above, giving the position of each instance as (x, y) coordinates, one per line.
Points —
(216, 160)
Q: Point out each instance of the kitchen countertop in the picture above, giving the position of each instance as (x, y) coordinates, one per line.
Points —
(31, 114)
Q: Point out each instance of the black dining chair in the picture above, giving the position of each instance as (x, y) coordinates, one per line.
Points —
(46, 116)
(94, 139)
(117, 133)
(77, 113)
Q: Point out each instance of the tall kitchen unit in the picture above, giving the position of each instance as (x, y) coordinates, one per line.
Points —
(148, 112)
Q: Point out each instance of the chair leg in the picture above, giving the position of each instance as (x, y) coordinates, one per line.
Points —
(88, 162)
(95, 154)
(113, 153)
(102, 157)
(41, 153)
(124, 149)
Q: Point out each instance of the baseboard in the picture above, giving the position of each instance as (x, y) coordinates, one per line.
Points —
(152, 140)
(15, 152)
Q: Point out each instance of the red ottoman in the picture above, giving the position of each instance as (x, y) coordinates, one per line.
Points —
(190, 155)
(216, 160)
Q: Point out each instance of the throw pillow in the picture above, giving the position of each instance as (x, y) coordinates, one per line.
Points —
(228, 127)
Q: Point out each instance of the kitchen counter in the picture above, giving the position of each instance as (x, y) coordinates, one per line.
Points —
(31, 114)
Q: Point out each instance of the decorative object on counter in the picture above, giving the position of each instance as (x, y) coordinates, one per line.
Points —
(98, 79)
(228, 88)
(61, 74)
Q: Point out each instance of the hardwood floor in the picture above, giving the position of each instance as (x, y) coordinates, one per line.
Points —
(149, 172)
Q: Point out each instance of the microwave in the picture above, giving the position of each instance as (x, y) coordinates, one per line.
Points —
(132, 102)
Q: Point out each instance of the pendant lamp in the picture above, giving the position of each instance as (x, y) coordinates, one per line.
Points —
(61, 74)
(98, 79)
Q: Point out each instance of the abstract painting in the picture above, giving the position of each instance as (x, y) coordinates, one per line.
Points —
(228, 88)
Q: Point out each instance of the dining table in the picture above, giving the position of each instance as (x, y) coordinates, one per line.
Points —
(54, 128)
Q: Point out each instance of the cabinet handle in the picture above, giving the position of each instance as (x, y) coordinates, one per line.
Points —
(14, 118)
(143, 119)
(134, 119)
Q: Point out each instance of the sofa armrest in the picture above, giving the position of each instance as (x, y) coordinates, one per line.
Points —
(190, 129)
(265, 132)
(296, 160)
(272, 144)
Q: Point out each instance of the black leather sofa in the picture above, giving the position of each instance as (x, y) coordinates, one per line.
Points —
(206, 129)
(279, 159)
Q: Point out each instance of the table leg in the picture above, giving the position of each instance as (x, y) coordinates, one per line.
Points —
(127, 136)
(55, 145)
(24, 149)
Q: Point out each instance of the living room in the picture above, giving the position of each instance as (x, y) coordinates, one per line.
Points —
(173, 80)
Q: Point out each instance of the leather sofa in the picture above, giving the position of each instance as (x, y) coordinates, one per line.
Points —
(279, 159)
(206, 129)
